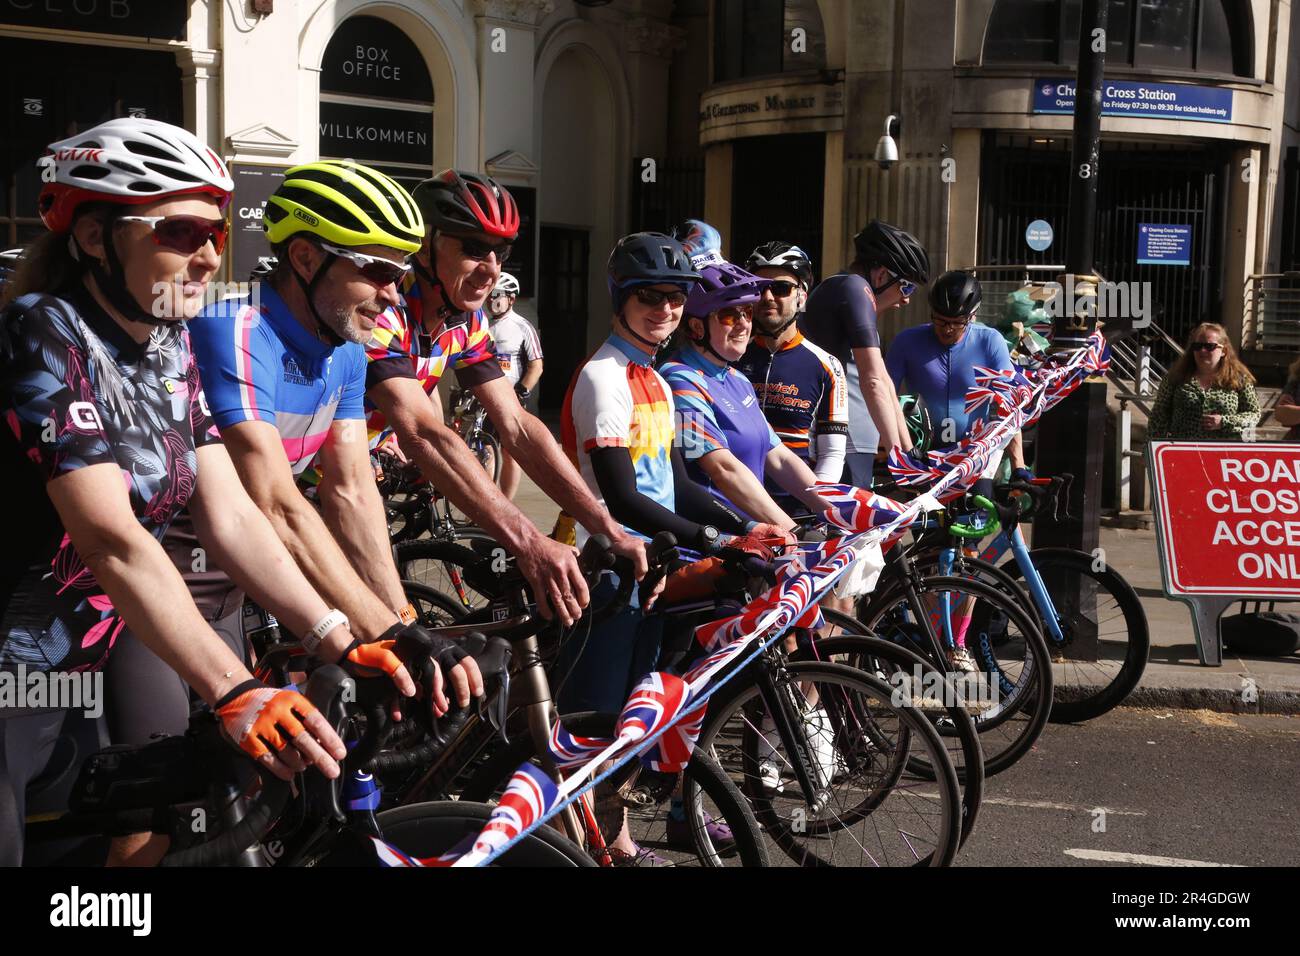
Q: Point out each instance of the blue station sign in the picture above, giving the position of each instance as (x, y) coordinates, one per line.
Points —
(1172, 101)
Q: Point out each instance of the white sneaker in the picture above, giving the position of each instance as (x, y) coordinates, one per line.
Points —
(769, 762)
(821, 739)
(961, 660)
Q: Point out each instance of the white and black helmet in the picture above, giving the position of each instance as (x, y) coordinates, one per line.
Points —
(782, 255)
(127, 161)
(507, 284)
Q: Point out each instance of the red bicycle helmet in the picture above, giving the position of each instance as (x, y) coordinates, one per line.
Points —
(458, 204)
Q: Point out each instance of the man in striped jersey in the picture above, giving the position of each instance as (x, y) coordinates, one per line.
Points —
(519, 351)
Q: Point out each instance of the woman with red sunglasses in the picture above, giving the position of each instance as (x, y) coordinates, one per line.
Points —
(107, 438)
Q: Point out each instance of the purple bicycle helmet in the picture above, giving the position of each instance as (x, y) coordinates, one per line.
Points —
(721, 284)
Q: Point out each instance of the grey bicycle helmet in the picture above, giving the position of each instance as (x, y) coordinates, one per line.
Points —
(647, 258)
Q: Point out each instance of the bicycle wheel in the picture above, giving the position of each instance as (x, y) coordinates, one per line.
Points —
(845, 641)
(432, 607)
(715, 801)
(1010, 695)
(1096, 602)
(429, 830)
(461, 569)
(859, 741)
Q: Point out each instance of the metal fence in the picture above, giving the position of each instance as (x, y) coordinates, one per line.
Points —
(1272, 312)
(998, 282)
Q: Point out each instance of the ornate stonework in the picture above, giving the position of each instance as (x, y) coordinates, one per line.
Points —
(653, 37)
(528, 12)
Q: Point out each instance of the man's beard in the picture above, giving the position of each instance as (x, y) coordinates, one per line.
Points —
(342, 322)
(770, 326)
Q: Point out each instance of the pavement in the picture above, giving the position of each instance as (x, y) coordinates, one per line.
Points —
(1174, 676)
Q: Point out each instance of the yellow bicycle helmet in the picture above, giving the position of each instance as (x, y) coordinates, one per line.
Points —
(343, 203)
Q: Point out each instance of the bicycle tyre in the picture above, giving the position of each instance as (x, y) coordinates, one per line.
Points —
(741, 696)
(432, 607)
(425, 830)
(1032, 698)
(703, 774)
(865, 651)
(459, 571)
(1067, 561)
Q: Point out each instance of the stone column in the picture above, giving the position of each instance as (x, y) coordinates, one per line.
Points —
(200, 93)
(506, 34)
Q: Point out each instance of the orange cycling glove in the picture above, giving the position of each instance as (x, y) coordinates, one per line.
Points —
(371, 660)
(261, 719)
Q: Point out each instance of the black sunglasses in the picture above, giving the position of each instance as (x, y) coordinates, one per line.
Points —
(479, 250)
(781, 288)
(1205, 346)
(654, 298)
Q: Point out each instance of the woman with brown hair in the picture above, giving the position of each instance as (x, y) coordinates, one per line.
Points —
(1208, 394)
(1287, 411)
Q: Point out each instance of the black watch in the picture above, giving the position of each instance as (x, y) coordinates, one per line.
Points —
(522, 392)
(710, 539)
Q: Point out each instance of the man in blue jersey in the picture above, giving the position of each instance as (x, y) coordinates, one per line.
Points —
(937, 361)
(841, 317)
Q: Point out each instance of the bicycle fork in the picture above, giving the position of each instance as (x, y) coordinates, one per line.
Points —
(778, 699)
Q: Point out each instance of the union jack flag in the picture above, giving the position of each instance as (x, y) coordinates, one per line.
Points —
(672, 752)
(908, 470)
(570, 750)
(529, 796)
(656, 700)
(856, 509)
(390, 856)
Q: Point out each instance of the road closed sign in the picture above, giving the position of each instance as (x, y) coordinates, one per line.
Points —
(1228, 518)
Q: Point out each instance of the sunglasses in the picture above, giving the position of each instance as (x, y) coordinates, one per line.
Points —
(185, 234)
(1205, 346)
(478, 250)
(654, 298)
(905, 287)
(728, 318)
(374, 269)
(781, 288)
(951, 323)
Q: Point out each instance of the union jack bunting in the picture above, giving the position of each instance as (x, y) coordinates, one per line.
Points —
(569, 750)
(528, 798)
(672, 752)
(656, 700)
(390, 856)
(908, 470)
(856, 509)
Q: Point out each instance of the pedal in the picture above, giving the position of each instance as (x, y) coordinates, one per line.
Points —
(648, 788)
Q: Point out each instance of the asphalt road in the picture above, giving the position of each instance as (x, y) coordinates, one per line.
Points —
(1191, 786)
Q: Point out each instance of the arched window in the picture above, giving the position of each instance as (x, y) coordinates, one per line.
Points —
(1205, 36)
(759, 38)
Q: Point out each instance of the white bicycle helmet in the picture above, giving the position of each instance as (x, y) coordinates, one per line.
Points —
(782, 255)
(507, 284)
(127, 161)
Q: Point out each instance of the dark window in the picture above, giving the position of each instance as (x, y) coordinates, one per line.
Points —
(1205, 36)
(755, 38)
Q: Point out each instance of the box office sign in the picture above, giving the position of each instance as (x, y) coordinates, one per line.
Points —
(368, 56)
(376, 134)
(163, 19)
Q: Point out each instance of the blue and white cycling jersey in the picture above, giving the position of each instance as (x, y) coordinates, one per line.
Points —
(260, 364)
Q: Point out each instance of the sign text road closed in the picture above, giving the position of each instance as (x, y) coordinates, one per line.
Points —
(1229, 517)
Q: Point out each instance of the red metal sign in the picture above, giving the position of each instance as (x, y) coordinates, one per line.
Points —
(1228, 518)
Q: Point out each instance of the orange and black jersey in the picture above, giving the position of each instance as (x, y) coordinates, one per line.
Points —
(801, 389)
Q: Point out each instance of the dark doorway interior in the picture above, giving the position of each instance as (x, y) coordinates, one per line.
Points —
(562, 308)
(52, 90)
(777, 187)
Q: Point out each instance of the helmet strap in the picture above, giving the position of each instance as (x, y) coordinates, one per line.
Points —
(111, 280)
(323, 331)
(654, 347)
(705, 343)
(444, 310)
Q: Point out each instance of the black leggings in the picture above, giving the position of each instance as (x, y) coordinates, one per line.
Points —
(26, 746)
(144, 696)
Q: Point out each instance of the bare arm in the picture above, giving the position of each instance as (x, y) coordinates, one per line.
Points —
(743, 488)
(258, 455)
(354, 510)
(790, 472)
(532, 374)
(882, 400)
(245, 545)
(1286, 411)
(143, 584)
(1016, 451)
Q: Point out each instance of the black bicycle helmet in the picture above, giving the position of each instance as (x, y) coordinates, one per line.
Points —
(880, 244)
(647, 258)
(782, 255)
(955, 295)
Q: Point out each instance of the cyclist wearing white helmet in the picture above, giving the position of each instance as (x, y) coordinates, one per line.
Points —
(108, 438)
(519, 350)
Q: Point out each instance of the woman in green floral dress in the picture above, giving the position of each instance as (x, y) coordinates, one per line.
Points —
(1208, 395)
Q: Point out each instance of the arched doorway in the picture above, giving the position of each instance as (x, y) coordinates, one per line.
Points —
(578, 197)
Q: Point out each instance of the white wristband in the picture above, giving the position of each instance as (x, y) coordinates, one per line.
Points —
(312, 640)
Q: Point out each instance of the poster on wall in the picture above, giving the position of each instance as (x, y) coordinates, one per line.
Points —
(253, 187)
(522, 258)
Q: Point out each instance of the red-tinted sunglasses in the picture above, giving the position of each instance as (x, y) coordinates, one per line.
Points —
(185, 234)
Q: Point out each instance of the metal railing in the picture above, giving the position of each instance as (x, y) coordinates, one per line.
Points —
(1272, 312)
(997, 282)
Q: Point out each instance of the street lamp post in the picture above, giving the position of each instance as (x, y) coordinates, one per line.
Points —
(1071, 437)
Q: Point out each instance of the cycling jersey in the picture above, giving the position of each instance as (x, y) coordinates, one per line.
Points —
(260, 364)
(717, 409)
(75, 391)
(801, 389)
(942, 375)
(401, 348)
(617, 400)
(840, 316)
(517, 344)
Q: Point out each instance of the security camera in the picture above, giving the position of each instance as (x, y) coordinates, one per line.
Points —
(886, 147)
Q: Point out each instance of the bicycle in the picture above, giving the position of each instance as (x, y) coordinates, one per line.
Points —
(468, 418)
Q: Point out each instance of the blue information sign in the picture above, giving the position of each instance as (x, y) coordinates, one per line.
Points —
(1173, 101)
(1160, 244)
(1038, 235)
